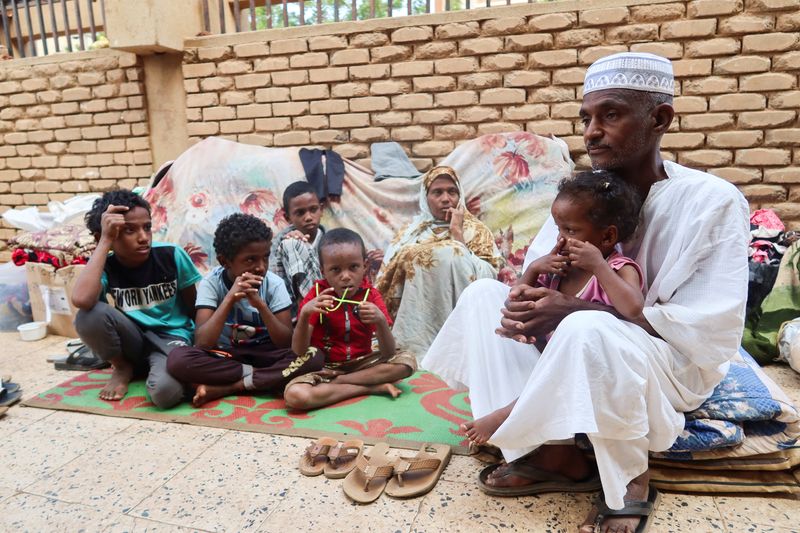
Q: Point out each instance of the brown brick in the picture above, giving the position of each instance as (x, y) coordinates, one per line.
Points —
(498, 127)
(412, 133)
(502, 62)
(412, 68)
(250, 81)
(782, 62)
(66, 134)
(368, 40)
(387, 54)
(201, 100)
(668, 50)
(708, 121)
(40, 136)
(554, 58)
(412, 34)
(456, 98)
(256, 139)
(291, 138)
(550, 127)
(412, 101)
(757, 157)
(77, 120)
(273, 124)
(352, 151)
(526, 78)
(772, 5)
(211, 114)
(327, 42)
(389, 87)
(582, 37)
(236, 126)
(738, 102)
(369, 72)
(236, 98)
(685, 29)
(457, 30)
(631, 33)
(766, 119)
(432, 148)
(435, 116)
(270, 64)
(770, 42)
(788, 22)
(392, 118)
(552, 94)
(785, 100)
(216, 84)
(355, 56)
(454, 131)
(348, 90)
(741, 64)
(735, 139)
(764, 193)
(737, 175)
(288, 46)
(435, 50)
(350, 120)
(329, 137)
(672, 141)
(434, 84)
(326, 75)
(326, 107)
(370, 103)
(782, 175)
(525, 112)
(552, 21)
(483, 45)
(691, 67)
(710, 8)
(311, 122)
(604, 16)
(310, 92)
(367, 135)
(456, 65)
(481, 80)
(705, 158)
(783, 137)
(690, 104)
(294, 77)
(657, 12)
(234, 66)
(710, 85)
(746, 24)
(213, 52)
(23, 187)
(504, 26)
(569, 76)
(502, 96)
(48, 97)
(291, 109)
(529, 42)
(251, 50)
(477, 114)
(311, 59)
(768, 82)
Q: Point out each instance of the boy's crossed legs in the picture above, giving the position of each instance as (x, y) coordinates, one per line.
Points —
(371, 374)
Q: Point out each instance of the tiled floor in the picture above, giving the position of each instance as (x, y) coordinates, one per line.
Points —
(62, 471)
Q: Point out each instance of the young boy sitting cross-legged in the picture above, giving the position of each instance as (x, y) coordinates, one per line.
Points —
(243, 321)
(339, 317)
(152, 285)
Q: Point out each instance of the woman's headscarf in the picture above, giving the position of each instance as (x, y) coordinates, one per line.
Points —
(424, 227)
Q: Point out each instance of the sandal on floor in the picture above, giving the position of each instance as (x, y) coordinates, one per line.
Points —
(5, 383)
(633, 508)
(80, 358)
(342, 458)
(542, 481)
(486, 453)
(365, 483)
(415, 476)
(313, 461)
(9, 398)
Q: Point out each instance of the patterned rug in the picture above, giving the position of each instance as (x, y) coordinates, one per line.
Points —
(427, 411)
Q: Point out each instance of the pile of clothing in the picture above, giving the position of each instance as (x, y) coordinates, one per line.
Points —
(768, 244)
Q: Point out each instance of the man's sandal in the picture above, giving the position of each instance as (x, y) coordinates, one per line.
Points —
(365, 483)
(415, 476)
(9, 392)
(541, 481)
(633, 508)
(313, 461)
(342, 458)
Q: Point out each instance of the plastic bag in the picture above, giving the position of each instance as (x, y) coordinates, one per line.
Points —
(15, 302)
(789, 344)
(66, 212)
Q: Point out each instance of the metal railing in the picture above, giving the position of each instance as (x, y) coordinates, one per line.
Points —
(39, 27)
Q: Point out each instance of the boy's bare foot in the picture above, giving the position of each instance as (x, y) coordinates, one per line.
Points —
(481, 430)
(206, 393)
(386, 388)
(117, 386)
(638, 490)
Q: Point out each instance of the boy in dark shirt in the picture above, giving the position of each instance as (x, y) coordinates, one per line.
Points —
(152, 286)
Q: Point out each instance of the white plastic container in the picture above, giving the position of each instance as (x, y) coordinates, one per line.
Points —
(32, 331)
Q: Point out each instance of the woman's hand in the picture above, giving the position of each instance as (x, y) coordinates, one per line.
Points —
(455, 215)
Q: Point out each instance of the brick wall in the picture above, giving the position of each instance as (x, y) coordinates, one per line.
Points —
(432, 82)
(70, 123)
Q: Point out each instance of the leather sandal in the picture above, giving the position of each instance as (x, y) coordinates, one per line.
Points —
(415, 476)
(342, 458)
(365, 483)
(314, 459)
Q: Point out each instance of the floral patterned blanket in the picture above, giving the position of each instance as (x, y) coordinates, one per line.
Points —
(499, 172)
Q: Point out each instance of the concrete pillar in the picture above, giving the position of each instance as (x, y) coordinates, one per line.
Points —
(166, 106)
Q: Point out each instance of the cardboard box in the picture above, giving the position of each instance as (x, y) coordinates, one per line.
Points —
(51, 296)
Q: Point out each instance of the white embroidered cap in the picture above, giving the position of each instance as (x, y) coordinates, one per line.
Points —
(630, 70)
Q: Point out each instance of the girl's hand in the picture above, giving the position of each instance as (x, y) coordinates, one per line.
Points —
(323, 303)
(369, 313)
(112, 221)
(456, 217)
(584, 255)
(554, 262)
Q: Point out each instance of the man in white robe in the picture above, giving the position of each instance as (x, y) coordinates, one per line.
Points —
(624, 384)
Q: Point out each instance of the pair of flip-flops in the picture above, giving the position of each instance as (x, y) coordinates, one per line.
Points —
(403, 477)
(10, 393)
(330, 457)
(80, 357)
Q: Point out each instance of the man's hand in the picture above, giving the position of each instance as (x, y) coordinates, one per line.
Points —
(455, 215)
(369, 313)
(531, 313)
(296, 234)
(584, 255)
(112, 221)
(246, 286)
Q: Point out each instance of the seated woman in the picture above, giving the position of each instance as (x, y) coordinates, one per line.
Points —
(432, 260)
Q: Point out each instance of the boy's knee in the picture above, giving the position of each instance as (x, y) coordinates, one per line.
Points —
(164, 391)
(90, 321)
(176, 361)
(298, 396)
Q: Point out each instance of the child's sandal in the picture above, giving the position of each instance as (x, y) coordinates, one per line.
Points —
(365, 483)
(313, 461)
(342, 458)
